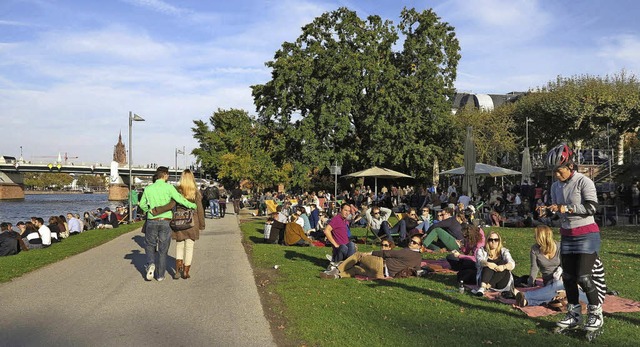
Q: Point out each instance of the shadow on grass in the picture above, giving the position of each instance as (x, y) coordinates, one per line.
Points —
(444, 297)
(294, 255)
(633, 255)
(256, 240)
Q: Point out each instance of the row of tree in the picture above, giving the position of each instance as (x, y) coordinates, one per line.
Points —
(363, 92)
(58, 181)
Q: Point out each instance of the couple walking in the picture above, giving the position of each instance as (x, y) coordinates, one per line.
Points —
(157, 203)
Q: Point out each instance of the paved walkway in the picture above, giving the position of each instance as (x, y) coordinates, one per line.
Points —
(100, 298)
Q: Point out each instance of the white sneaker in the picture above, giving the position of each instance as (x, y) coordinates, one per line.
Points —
(478, 292)
(151, 268)
(329, 257)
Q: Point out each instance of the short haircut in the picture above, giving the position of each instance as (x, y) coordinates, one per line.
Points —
(20, 223)
(40, 220)
(162, 170)
(4, 226)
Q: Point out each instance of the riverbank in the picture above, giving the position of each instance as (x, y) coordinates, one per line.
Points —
(51, 192)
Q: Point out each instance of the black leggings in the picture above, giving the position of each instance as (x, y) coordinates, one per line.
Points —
(497, 280)
(587, 271)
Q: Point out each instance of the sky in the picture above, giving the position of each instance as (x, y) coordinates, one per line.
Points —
(71, 71)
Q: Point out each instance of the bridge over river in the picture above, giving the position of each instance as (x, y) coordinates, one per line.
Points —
(12, 176)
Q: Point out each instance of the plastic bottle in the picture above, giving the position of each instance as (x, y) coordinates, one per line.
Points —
(461, 287)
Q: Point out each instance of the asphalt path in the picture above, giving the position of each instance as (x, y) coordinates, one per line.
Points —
(100, 298)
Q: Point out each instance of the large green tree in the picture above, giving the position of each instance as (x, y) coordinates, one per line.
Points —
(341, 93)
(580, 109)
(234, 147)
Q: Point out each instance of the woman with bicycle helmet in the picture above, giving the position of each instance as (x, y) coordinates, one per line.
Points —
(575, 201)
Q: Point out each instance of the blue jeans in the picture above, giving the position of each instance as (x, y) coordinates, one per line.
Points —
(157, 233)
(343, 252)
(215, 208)
(537, 297)
(399, 228)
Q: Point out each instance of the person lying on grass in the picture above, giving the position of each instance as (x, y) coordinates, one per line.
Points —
(379, 264)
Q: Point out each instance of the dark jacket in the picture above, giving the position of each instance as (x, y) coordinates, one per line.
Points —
(8, 243)
(398, 260)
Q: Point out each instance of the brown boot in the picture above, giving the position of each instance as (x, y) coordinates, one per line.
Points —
(185, 274)
(179, 268)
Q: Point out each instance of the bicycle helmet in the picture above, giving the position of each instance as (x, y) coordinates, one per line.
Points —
(561, 155)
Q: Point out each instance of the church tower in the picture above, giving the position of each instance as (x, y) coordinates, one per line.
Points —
(119, 152)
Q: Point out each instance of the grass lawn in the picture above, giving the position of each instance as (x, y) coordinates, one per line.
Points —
(307, 310)
(24, 262)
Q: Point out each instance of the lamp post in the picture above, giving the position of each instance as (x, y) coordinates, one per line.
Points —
(610, 154)
(526, 127)
(132, 117)
(176, 162)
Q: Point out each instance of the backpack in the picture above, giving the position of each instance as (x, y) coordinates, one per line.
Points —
(182, 218)
(213, 193)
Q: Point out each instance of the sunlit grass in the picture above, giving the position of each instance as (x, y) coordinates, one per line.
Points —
(24, 262)
(426, 311)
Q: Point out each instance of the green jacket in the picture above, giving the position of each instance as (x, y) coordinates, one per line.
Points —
(159, 194)
(133, 197)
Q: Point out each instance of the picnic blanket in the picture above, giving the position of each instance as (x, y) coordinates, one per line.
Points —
(438, 266)
(612, 304)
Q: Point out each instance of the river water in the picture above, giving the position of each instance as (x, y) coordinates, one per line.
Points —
(47, 205)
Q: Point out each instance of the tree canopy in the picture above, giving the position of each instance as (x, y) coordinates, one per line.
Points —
(341, 93)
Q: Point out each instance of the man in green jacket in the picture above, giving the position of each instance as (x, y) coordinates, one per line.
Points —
(157, 231)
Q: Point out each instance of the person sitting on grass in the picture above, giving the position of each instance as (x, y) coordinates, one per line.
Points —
(464, 261)
(110, 220)
(43, 230)
(54, 226)
(447, 233)
(294, 236)
(276, 231)
(337, 233)
(31, 236)
(376, 217)
(494, 265)
(545, 257)
(8, 240)
(406, 224)
(379, 264)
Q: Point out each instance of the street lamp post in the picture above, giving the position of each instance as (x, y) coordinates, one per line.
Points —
(526, 135)
(132, 117)
(176, 161)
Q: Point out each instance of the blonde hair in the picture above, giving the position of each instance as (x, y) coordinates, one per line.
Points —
(188, 185)
(544, 239)
(494, 253)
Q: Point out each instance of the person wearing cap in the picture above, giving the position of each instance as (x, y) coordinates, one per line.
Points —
(158, 231)
(575, 201)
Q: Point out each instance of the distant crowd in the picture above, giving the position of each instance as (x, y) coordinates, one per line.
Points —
(38, 233)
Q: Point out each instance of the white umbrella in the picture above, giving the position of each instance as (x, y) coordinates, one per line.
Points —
(483, 170)
(378, 172)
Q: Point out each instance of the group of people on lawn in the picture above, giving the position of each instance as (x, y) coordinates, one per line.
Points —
(572, 266)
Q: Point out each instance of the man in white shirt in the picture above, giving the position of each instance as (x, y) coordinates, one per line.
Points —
(44, 231)
(74, 224)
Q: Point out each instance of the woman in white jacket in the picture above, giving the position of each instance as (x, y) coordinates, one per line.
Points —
(494, 264)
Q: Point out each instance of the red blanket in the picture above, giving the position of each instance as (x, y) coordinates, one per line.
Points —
(611, 304)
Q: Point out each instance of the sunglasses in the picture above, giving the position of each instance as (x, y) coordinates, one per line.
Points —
(412, 214)
(494, 240)
(414, 243)
(376, 213)
(386, 245)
